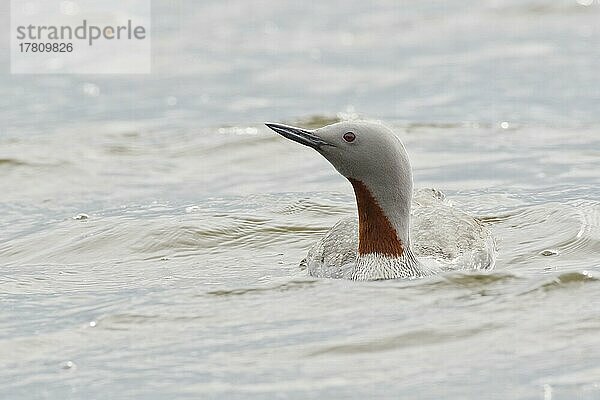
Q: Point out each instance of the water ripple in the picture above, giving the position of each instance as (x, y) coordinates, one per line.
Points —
(292, 285)
(566, 281)
(408, 339)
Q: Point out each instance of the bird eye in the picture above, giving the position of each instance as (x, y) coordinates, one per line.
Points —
(349, 137)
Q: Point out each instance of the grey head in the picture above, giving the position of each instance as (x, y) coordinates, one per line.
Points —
(375, 161)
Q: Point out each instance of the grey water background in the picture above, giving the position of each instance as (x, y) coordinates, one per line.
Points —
(181, 279)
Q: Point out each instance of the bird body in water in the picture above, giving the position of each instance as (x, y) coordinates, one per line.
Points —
(396, 234)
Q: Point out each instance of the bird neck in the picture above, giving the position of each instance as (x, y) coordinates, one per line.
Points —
(381, 231)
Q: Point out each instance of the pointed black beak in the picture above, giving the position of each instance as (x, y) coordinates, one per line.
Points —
(299, 135)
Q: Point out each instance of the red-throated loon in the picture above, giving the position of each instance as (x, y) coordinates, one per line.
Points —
(377, 244)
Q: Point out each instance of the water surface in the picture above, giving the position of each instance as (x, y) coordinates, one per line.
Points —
(151, 227)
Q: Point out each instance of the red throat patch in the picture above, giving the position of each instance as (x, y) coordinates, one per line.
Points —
(375, 232)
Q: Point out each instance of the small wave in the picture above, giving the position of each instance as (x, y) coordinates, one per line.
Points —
(12, 162)
(122, 322)
(316, 121)
(223, 238)
(569, 232)
(118, 149)
(292, 285)
(429, 126)
(544, 9)
(311, 206)
(566, 280)
(478, 279)
(492, 219)
(408, 339)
